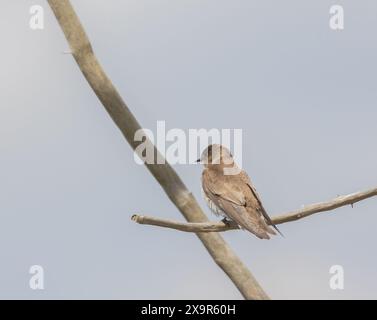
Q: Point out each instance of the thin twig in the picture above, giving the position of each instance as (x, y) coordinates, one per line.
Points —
(338, 202)
(184, 226)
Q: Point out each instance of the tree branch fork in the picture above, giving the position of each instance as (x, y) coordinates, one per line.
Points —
(221, 253)
(221, 226)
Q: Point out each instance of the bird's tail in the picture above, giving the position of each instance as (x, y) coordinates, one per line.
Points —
(269, 224)
(277, 229)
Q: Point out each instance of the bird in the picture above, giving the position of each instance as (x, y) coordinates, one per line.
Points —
(233, 196)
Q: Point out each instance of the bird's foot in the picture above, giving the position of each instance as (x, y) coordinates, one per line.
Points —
(229, 223)
(226, 221)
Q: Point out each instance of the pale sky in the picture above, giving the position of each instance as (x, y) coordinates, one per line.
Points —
(304, 95)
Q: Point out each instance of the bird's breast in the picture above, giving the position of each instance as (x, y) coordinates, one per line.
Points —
(213, 207)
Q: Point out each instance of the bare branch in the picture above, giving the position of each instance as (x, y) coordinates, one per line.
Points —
(175, 189)
(291, 216)
(184, 226)
(338, 202)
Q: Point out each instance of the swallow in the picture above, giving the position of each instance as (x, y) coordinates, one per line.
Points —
(233, 196)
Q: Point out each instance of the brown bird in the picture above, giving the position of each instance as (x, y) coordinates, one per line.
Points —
(233, 196)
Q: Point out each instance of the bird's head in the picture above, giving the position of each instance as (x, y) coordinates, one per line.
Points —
(216, 155)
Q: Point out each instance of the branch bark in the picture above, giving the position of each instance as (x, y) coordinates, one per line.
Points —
(209, 226)
(175, 189)
(220, 226)
(338, 202)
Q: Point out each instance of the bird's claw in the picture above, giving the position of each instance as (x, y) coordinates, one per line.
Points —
(226, 221)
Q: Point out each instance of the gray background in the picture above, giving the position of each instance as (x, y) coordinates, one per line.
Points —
(304, 95)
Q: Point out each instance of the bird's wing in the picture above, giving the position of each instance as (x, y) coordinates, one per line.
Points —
(247, 219)
(233, 202)
(260, 207)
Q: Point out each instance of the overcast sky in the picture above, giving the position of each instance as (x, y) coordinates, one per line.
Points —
(304, 95)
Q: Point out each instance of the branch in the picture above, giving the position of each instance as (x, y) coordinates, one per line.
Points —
(185, 227)
(220, 226)
(338, 202)
(172, 184)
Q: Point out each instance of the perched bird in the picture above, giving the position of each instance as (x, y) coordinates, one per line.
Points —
(233, 196)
